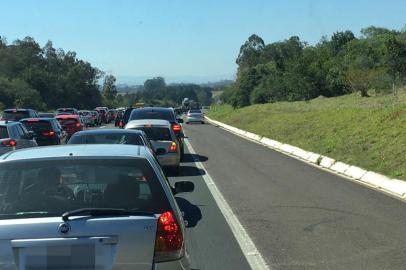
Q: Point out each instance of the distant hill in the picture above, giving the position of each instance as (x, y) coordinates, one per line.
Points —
(217, 84)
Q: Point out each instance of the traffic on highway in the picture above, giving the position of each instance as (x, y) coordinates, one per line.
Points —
(202, 135)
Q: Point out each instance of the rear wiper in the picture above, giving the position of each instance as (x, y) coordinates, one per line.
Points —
(104, 212)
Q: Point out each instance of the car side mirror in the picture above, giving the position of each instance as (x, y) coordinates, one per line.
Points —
(160, 151)
(183, 186)
(180, 120)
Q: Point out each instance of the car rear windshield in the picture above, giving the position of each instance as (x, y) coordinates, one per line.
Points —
(157, 133)
(3, 133)
(15, 115)
(37, 126)
(46, 115)
(68, 121)
(84, 113)
(195, 111)
(133, 139)
(146, 114)
(65, 111)
(52, 187)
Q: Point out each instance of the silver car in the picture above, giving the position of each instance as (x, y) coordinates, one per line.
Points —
(87, 118)
(14, 136)
(163, 140)
(89, 207)
(194, 116)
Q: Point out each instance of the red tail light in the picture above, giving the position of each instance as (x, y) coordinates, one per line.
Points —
(121, 124)
(176, 128)
(169, 238)
(173, 147)
(78, 125)
(9, 142)
(49, 133)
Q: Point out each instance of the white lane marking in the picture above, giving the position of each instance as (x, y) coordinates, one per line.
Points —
(251, 253)
(102, 127)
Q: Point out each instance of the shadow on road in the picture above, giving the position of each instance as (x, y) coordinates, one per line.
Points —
(194, 157)
(191, 171)
(192, 213)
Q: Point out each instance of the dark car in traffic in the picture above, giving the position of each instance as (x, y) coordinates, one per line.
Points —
(167, 114)
(47, 131)
(18, 114)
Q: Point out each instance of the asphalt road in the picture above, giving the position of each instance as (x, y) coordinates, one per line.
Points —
(298, 216)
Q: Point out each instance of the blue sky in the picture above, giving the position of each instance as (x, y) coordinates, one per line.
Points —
(183, 40)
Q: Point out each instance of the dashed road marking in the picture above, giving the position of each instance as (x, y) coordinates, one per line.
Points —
(250, 251)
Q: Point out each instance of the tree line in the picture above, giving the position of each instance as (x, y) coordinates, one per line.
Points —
(155, 92)
(46, 78)
(292, 70)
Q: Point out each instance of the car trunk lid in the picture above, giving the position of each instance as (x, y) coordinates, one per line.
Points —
(124, 242)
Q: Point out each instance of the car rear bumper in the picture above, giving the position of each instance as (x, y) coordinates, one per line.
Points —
(194, 119)
(182, 264)
(169, 159)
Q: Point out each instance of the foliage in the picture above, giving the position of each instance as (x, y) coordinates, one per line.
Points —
(291, 70)
(157, 93)
(45, 78)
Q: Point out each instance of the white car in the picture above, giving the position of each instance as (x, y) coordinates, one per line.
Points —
(194, 116)
(163, 140)
(89, 207)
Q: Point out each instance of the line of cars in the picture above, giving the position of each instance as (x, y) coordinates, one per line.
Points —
(100, 202)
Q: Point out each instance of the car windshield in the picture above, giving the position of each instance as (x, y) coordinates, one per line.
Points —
(15, 115)
(37, 126)
(195, 111)
(84, 113)
(3, 132)
(68, 121)
(133, 139)
(157, 133)
(50, 188)
(146, 114)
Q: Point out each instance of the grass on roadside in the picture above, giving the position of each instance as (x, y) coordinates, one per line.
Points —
(367, 132)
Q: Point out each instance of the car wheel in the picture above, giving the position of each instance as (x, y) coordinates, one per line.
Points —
(202, 122)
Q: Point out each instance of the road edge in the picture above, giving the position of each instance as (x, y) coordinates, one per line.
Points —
(251, 253)
(393, 187)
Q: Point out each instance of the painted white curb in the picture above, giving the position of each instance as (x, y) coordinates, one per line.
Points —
(395, 187)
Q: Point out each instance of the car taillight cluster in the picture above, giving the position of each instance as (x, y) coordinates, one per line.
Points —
(77, 125)
(176, 128)
(173, 147)
(169, 238)
(48, 133)
(10, 143)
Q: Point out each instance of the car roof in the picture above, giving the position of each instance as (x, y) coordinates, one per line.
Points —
(38, 119)
(17, 110)
(143, 122)
(8, 123)
(78, 150)
(67, 116)
(155, 109)
(109, 131)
